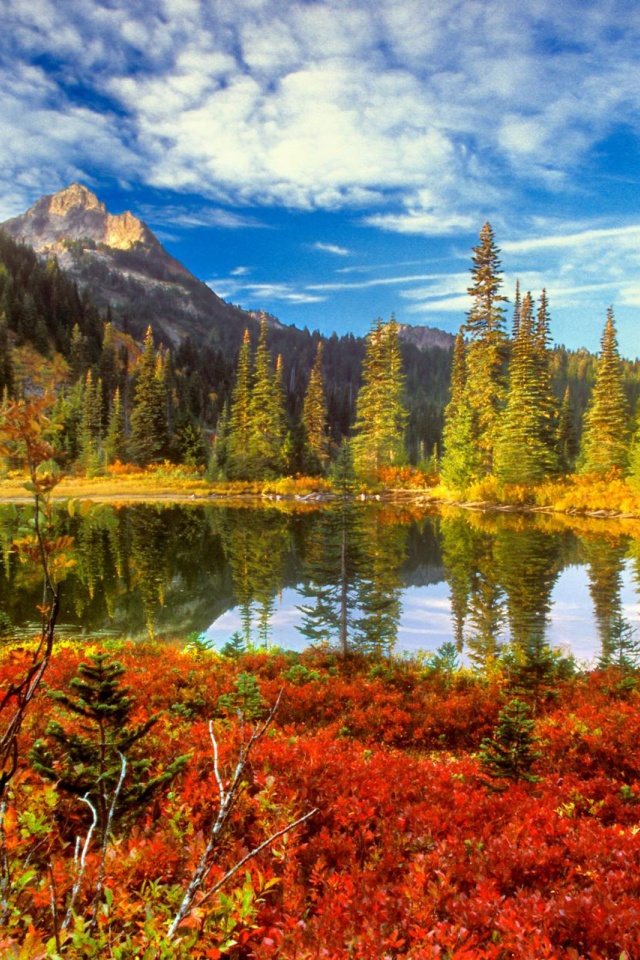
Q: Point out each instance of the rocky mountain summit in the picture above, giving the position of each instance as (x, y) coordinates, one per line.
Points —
(124, 266)
(76, 214)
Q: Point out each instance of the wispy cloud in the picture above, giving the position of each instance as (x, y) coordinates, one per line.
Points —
(192, 217)
(331, 248)
(257, 295)
(627, 237)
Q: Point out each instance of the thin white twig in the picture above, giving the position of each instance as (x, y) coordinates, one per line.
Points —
(105, 838)
(81, 866)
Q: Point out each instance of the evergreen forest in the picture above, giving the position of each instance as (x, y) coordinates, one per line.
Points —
(272, 401)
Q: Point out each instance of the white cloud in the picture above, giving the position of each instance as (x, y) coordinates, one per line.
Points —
(198, 216)
(257, 295)
(332, 248)
(399, 108)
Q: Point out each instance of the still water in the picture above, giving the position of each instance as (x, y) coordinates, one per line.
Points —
(371, 576)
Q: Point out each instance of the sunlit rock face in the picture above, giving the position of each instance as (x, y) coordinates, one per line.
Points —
(76, 214)
(124, 266)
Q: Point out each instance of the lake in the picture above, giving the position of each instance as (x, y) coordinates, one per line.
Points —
(367, 575)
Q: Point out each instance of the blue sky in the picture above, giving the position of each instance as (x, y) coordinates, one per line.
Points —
(334, 160)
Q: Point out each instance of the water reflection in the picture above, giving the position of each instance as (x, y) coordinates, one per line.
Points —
(353, 576)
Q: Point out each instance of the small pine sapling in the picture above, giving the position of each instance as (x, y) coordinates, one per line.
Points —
(510, 753)
(88, 764)
(245, 701)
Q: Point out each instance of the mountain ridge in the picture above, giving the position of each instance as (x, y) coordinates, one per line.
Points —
(122, 262)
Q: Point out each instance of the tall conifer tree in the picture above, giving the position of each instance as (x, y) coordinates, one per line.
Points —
(237, 439)
(314, 418)
(381, 416)
(524, 451)
(487, 349)
(606, 422)
(266, 413)
(461, 462)
(149, 430)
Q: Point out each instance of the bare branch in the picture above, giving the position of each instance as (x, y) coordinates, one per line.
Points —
(105, 839)
(82, 863)
(255, 852)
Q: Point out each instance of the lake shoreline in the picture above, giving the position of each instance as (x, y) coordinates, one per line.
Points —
(11, 492)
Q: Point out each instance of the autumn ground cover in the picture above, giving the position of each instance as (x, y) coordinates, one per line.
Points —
(415, 850)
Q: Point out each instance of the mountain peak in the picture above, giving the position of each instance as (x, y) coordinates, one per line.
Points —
(74, 196)
(75, 213)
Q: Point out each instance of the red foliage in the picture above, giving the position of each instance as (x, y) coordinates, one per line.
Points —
(411, 854)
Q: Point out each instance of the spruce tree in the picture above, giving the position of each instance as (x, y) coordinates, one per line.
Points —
(524, 452)
(114, 440)
(266, 425)
(566, 440)
(606, 423)
(381, 416)
(86, 761)
(511, 752)
(486, 354)
(314, 419)
(91, 426)
(461, 461)
(517, 308)
(239, 416)
(149, 429)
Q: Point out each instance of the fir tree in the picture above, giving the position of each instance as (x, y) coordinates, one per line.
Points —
(78, 353)
(524, 452)
(511, 752)
(314, 419)
(266, 428)
(606, 422)
(239, 416)
(381, 416)
(517, 308)
(88, 763)
(566, 440)
(623, 648)
(91, 426)
(485, 387)
(114, 440)
(149, 430)
(461, 462)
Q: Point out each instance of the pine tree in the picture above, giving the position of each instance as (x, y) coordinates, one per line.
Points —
(91, 426)
(486, 353)
(88, 763)
(524, 452)
(381, 416)
(266, 427)
(239, 416)
(606, 423)
(114, 440)
(566, 440)
(461, 462)
(314, 419)
(511, 752)
(149, 429)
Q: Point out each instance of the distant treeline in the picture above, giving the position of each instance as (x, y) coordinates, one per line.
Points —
(193, 384)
